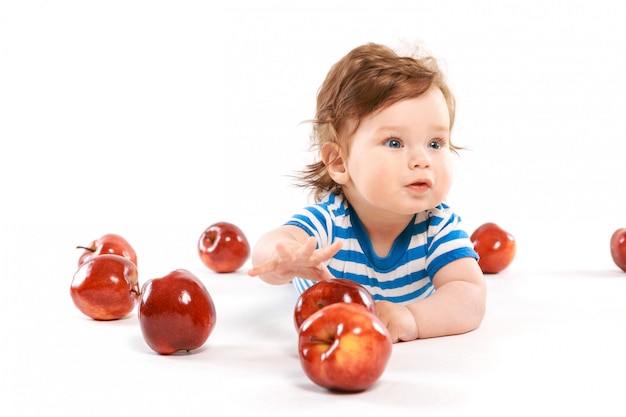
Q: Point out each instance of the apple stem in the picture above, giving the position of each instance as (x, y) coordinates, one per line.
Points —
(316, 339)
(86, 248)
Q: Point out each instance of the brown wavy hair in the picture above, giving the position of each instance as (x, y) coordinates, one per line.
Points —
(369, 78)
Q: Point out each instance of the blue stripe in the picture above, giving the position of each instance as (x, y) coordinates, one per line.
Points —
(417, 252)
(343, 233)
(303, 222)
(351, 256)
(442, 260)
(453, 235)
(423, 292)
(421, 227)
(434, 221)
(393, 284)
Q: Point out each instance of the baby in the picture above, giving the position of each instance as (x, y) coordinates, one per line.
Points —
(382, 132)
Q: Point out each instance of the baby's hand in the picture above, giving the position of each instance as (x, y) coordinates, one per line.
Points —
(293, 259)
(399, 321)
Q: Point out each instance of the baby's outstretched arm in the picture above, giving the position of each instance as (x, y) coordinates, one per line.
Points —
(288, 252)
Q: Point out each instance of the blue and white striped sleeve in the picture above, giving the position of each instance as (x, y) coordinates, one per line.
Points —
(316, 222)
(447, 240)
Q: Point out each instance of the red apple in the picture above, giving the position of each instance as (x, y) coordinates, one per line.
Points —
(344, 347)
(176, 312)
(223, 247)
(110, 243)
(618, 248)
(106, 287)
(327, 292)
(495, 246)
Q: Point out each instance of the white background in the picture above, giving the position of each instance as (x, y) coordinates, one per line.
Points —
(155, 119)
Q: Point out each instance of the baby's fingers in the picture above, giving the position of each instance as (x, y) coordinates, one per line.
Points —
(309, 255)
(307, 249)
(329, 251)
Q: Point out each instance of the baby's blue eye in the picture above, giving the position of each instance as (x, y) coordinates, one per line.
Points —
(393, 143)
(435, 144)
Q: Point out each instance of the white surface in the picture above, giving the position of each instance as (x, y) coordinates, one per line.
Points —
(156, 119)
(552, 343)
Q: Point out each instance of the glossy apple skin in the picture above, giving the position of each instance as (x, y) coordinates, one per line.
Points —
(618, 248)
(495, 246)
(223, 247)
(324, 293)
(344, 347)
(106, 287)
(176, 312)
(109, 243)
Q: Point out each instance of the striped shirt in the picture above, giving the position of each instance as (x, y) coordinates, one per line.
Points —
(431, 240)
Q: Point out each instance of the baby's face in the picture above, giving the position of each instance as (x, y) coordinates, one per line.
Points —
(400, 157)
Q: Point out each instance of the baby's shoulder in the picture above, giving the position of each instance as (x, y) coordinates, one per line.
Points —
(333, 204)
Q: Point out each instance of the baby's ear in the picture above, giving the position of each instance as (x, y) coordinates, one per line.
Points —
(333, 158)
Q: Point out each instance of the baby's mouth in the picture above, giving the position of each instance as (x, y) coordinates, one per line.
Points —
(422, 183)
